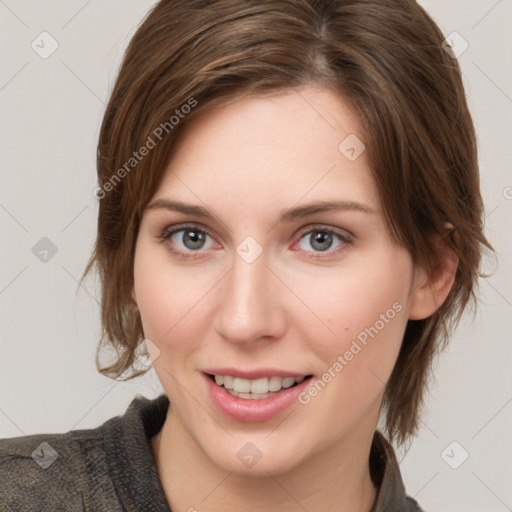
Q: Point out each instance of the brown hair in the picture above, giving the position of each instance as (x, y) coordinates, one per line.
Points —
(384, 56)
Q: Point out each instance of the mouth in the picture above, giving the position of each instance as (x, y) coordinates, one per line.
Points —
(262, 398)
(263, 387)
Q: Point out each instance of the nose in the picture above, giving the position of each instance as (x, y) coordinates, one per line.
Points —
(250, 305)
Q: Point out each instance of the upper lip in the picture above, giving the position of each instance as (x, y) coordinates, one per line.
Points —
(257, 373)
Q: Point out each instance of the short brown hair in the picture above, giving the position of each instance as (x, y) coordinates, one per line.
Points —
(384, 56)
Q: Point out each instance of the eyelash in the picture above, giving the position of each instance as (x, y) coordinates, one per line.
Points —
(189, 255)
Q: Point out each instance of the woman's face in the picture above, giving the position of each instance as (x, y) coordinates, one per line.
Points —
(269, 285)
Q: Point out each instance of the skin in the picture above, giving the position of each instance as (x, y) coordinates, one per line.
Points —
(246, 162)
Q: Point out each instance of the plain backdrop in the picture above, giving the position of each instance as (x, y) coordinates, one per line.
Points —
(51, 110)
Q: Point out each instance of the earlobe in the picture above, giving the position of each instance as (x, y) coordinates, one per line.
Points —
(432, 288)
(134, 298)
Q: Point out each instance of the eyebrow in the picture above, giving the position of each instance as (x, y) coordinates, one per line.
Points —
(287, 215)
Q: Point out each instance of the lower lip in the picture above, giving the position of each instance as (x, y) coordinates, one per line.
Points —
(252, 411)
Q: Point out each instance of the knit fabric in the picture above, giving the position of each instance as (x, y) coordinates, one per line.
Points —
(111, 468)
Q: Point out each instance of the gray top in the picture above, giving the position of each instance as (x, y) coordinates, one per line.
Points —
(111, 468)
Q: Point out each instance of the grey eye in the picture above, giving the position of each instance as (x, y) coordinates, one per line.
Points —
(320, 240)
(191, 239)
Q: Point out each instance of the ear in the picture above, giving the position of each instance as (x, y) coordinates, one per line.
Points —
(134, 297)
(430, 289)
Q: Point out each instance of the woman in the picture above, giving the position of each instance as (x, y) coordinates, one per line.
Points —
(290, 224)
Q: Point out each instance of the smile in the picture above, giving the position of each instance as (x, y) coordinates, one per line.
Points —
(254, 400)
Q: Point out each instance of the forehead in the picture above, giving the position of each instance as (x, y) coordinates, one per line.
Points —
(265, 151)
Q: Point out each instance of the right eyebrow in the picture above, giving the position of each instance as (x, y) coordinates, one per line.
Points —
(178, 206)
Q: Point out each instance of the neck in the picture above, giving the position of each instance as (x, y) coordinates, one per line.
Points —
(337, 478)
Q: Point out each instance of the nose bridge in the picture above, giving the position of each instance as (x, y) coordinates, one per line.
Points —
(248, 306)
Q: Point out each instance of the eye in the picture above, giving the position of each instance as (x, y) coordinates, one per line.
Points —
(188, 239)
(322, 240)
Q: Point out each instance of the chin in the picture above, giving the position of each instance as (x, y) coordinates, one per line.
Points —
(255, 458)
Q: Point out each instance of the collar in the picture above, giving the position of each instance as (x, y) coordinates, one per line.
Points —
(385, 473)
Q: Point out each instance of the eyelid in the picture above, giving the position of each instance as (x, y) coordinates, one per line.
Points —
(171, 229)
(303, 231)
(327, 227)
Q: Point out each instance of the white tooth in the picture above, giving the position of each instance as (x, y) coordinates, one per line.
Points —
(274, 383)
(288, 382)
(249, 396)
(242, 385)
(259, 385)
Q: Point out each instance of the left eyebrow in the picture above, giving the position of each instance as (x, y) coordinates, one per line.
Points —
(309, 209)
(287, 215)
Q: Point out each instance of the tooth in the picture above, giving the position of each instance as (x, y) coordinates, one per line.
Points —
(242, 385)
(259, 385)
(274, 383)
(288, 382)
(249, 396)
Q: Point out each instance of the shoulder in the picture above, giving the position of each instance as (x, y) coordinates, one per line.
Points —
(45, 468)
(413, 505)
(82, 469)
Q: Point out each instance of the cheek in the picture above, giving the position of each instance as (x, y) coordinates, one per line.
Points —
(365, 310)
(170, 302)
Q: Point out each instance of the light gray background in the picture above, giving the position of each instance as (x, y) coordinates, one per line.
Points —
(51, 111)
